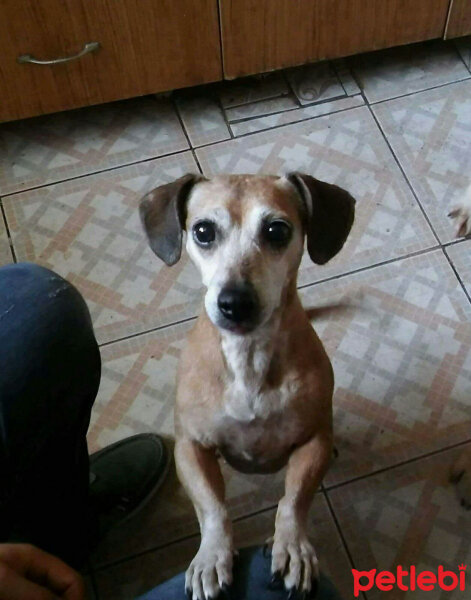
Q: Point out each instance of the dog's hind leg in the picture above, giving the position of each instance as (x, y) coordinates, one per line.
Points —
(293, 556)
(211, 569)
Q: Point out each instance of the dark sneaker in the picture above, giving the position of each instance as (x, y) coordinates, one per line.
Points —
(124, 477)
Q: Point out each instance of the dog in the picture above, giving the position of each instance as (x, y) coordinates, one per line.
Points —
(461, 214)
(254, 384)
(461, 470)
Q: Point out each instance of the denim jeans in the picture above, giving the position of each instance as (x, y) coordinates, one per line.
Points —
(252, 578)
(49, 376)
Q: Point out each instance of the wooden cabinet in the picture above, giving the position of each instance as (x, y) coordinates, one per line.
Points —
(147, 46)
(260, 35)
(459, 20)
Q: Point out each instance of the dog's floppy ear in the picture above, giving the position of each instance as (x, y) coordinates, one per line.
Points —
(163, 216)
(328, 213)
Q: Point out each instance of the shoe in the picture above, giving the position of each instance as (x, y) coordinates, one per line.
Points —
(124, 477)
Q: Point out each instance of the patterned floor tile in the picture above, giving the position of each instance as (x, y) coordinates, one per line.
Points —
(251, 89)
(345, 148)
(64, 145)
(137, 395)
(406, 69)
(203, 118)
(464, 48)
(315, 83)
(293, 116)
(5, 253)
(399, 337)
(263, 107)
(406, 516)
(88, 230)
(460, 256)
(430, 134)
(129, 579)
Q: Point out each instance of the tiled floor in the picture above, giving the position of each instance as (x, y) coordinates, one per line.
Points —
(393, 308)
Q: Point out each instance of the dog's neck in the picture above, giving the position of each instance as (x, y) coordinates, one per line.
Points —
(253, 361)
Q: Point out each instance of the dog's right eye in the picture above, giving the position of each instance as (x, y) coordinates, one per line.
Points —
(204, 233)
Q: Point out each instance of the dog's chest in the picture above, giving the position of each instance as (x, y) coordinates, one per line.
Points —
(259, 445)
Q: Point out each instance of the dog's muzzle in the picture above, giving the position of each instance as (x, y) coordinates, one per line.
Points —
(239, 306)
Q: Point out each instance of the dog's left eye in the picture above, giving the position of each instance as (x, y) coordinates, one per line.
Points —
(204, 233)
(277, 233)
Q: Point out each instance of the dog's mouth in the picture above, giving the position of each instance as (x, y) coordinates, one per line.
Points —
(236, 328)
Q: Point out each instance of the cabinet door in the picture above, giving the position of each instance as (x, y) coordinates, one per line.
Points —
(260, 35)
(459, 21)
(146, 46)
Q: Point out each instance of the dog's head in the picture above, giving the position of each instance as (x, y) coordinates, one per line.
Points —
(246, 236)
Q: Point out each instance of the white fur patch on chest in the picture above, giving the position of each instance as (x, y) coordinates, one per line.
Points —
(248, 360)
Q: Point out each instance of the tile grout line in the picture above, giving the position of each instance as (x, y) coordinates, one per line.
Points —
(92, 173)
(340, 532)
(468, 68)
(148, 331)
(428, 89)
(291, 110)
(455, 271)
(185, 132)
(403, 463)
(7, 228)
(226, 121)
(396, 160)
(373, 266)
(301, 287)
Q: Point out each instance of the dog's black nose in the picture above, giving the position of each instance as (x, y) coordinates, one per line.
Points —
(238, 303)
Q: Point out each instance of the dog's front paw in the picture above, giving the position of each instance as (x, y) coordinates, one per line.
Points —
(295, 562)
(461, 215)
(210, 572)
(461, 477)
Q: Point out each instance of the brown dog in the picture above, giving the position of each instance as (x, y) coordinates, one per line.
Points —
(255, 384)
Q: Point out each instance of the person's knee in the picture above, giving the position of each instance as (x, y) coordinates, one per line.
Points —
(33, 289)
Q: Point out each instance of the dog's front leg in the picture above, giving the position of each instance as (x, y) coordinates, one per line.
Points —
(293, 556)
(211, 569)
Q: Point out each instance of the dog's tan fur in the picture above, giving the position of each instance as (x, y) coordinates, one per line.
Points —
(262, 400)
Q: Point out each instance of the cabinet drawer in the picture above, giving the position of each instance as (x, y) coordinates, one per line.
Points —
(261, 35)
(459, 20)
(146, 46)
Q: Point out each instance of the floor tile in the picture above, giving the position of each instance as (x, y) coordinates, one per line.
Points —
(251, 89)
(137, 395)
(460, 256)
(344, 148)
(406, 516)
(430, 133)
(314, 83)
(293, 116)
(346, 77)
(464, 48)
(203, 118)
(5, 252)
(64, 145)
(135, 576)
(264, 107)
(399, 337)
(88, 230)
(406, 69)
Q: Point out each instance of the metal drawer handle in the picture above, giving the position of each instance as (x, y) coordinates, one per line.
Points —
(89, 47)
